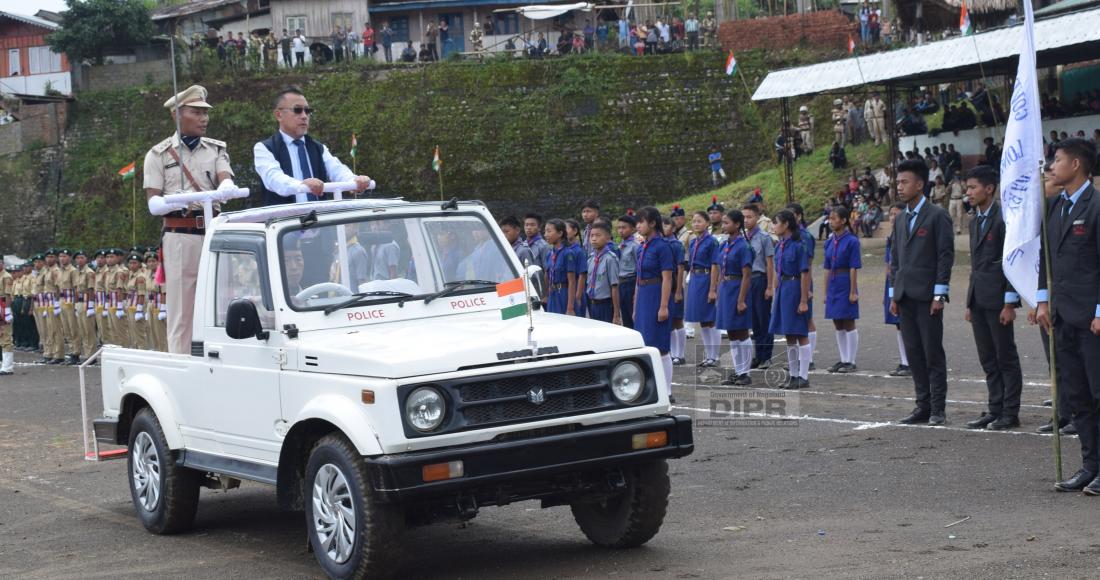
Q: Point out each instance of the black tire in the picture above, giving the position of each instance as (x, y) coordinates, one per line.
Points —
(375, 547)
(633, 517)
(177, 488)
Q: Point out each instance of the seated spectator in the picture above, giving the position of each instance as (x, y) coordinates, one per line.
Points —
(408, 54)
(871, 219)
(939, 192)
(927, 105)
(425, 54)
(992, 155)
(967, 119)
(913, 124)
(837, 156)
(934, 170)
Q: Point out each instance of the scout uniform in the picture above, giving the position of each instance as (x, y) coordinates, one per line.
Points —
(761, 307)
(7, 346)
(202, 160)
(734, 259)
(842, 255)
(628, 276)
(136, 289)
(791, 260)
(603, 278)
(654, 258)
(67, 287)
(559, 264)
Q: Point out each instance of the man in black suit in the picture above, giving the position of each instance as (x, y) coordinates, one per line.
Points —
(921, 256)
(1071, 305)
(991, 304)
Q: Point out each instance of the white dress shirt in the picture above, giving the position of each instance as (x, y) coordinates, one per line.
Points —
(271, 173)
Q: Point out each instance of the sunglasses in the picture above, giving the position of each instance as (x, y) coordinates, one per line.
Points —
(298, 110)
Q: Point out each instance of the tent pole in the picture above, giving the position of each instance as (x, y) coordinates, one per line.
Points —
(788, 163)
(892, 134)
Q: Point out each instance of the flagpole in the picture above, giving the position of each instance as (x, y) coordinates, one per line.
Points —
(133, 207)
(440, 172)
(1054, 422)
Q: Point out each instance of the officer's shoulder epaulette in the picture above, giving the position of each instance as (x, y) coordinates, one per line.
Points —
(162, 146)
(214, 142)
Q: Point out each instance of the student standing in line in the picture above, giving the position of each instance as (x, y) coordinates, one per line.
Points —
(790, 306)
(628, 259)
(603, 280)
(656, 266)
(760, 289)
(702, 288)
(676, 299)
(580, 265)
(887, 316)
(560, 270)
(842, 263)
(734, 316)
(811, 246)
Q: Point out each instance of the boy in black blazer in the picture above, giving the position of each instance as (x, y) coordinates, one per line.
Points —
(991, 304)
(922, 254)
(1071, 305)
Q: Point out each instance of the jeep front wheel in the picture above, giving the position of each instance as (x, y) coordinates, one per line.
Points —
(352, 535)
(631, 518)
(165, 495)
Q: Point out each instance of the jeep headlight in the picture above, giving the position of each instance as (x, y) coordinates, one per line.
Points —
(425, 408)
(627, 382)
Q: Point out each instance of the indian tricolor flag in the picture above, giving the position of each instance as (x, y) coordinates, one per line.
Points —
(437, 163)
(354, 145)
(514, 296)
(731, 64)
(964, 21)
(127, 172)
(851, 44)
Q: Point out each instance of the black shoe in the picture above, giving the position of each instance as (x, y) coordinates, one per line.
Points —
(982, 422)
(6, 373)
(1078, 482)
(755, 364)
(54, 361)
(848, 368)
(813, 367)
(901, 371)
(836, 367)
(1047, 403)
(1092, 488)
(937, 418)
(671, 400)
(916, 417)
(1005, 422)
(803, 383)
(677, 361)
(743, 380)
(764, 364)
(1045, 428)
(730, 380)
(43, 361)
(1069, 429)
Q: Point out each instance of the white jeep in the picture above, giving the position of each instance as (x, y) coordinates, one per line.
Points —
(361, 357)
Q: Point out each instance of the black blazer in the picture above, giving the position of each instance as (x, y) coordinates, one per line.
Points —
(987, 278)
(277, 147)
(921, 260)
(1074, 245)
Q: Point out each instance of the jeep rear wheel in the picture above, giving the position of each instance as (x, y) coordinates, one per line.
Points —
(352, 535)
(632, 517)
(165, 495)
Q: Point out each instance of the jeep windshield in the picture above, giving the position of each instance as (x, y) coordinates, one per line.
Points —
(390, 259)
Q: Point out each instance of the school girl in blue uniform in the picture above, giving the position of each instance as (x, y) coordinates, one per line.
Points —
(580, 260)
(811, 246)
(676, 299)
(702, 288)
(653, 293)
(842, 263)
(734, 316)
(561, 270)
(791, 296)
(887, 316)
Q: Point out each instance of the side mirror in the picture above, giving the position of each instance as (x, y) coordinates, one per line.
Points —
(242, 320)
(535, 278)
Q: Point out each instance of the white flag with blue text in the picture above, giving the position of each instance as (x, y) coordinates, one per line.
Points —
(1021, 172)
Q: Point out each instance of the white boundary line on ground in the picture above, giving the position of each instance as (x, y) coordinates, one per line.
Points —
(843, 395)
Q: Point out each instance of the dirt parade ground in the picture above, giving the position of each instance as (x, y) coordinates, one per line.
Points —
(841, 491)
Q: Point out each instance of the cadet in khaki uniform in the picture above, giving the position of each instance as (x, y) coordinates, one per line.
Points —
(30, 315)
(66, 286)
(18, 325)
(85, 305)
(54, 348)
(154, 311)
(38, 307)
(183, 163)
(136, 289)
(116, 285)
(7, 345)
(102, 300)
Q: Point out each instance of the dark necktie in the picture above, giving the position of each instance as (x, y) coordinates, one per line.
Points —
(981, 224)
(303, 165)
(1067, 206)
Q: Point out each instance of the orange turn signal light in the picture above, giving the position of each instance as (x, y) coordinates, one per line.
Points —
(649, 440)
(442, 471)
(368, 397)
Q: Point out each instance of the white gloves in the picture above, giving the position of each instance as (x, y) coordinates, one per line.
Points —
(162, 315)
(226, 191)
(57, 309)
(7, 315)
(138, 316)
(158, 205)
(121, 313)
(91, 312)
(105, 313)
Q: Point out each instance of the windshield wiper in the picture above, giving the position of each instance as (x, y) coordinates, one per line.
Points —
(453, 287)
(359, 299)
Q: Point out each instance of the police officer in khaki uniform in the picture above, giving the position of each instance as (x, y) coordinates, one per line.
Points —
(54, 342)
(85, 305)
(67, 287)
(185, 162)
(7, 318)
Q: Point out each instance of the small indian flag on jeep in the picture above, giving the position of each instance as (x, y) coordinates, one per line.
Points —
(514, 295)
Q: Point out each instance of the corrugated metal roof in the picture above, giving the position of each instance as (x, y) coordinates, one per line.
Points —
(437, 4)
(33, 20)
(1063, 39)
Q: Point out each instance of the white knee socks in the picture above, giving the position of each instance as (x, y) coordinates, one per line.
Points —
(842, 344)
(812, 345)
(901, 351)
(666, 361)
(742, 356)
(708, 343)
(679, 342)
(804, 361)
(714, 352)
(853, 345)
(792, 360)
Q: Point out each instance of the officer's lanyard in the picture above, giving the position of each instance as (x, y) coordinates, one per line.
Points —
(695, 244)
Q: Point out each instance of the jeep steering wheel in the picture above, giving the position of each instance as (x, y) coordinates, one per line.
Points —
(338, 289)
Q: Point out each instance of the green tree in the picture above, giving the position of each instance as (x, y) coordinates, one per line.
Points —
(90, 27)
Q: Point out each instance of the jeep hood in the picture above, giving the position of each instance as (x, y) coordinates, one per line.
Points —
(428, 346)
